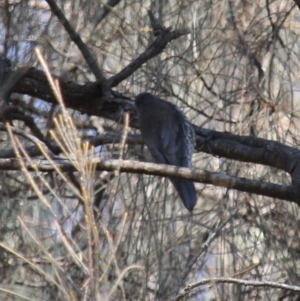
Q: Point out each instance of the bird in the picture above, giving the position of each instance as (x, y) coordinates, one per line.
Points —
(169, 137)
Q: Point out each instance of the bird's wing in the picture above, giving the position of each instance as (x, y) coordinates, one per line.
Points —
(170, 144)
(157, 154)
(177, 142)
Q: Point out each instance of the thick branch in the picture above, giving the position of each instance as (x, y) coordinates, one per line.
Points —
(84, 98)
(250, 149)
(283, 192)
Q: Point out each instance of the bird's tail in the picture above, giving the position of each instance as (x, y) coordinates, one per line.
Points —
(186, 191)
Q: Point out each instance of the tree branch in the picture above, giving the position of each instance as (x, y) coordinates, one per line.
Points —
(11, 81)
(263, 284)
(156, 47)
(250, 149)
(75, 37)
(297, 3)
(103, 12)
(288, 193)
(34, 151)
(85, 98)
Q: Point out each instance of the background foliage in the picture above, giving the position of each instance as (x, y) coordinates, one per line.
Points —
(237, 71)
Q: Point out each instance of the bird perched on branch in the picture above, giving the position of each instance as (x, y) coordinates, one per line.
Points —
(170, 138)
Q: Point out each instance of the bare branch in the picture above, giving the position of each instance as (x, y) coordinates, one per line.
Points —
(85, 98)
(263, 284)
(87, 54)
(156, 47)
(103, 12)
(11, 81)
(23, 134)
(283, 192)
(250, 149)
(108, 138)
(156, 27)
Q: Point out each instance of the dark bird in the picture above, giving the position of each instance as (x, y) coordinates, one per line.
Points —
(169, 137)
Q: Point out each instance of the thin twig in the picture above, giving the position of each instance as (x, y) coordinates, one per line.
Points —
(264, 284)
